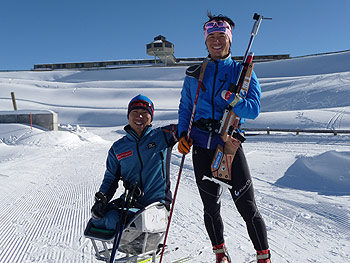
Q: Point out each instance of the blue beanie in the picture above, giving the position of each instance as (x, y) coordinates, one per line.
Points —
(141, 102)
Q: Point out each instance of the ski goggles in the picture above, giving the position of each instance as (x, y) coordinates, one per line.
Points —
(218, 26)
(141, 104)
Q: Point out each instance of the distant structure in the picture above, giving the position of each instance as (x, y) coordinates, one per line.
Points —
(141, 62)
(95, 64)
(162, 49)
(46, 119)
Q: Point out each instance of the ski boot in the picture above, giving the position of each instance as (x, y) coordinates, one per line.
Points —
(222, 255)
(263, 256)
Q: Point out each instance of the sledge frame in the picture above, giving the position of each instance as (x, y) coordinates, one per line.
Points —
(147, 226)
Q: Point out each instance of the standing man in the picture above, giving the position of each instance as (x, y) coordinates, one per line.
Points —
(220, 75)
(141, 157)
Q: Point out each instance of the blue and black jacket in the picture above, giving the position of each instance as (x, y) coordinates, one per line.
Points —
(219, 75)
(144, 160)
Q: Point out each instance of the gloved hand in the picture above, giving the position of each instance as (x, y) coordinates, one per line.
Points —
(184, 146)
(230, 97)
(98, 210)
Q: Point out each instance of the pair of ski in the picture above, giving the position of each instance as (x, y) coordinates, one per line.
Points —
(180, 260)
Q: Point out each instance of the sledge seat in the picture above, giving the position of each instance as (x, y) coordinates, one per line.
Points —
(141, 236)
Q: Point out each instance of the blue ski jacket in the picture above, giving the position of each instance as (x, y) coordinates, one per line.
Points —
(144, 160)
(219, 75)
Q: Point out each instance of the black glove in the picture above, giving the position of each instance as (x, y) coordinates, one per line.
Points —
(98, 210)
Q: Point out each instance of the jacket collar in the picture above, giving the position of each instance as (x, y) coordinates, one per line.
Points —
(224, 61)
(131, 134)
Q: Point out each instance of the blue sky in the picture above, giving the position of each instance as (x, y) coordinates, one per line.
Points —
(55, 31)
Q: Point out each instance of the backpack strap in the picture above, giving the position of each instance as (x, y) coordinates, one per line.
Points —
(194, 71)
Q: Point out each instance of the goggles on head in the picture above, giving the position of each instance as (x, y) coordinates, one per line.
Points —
(215, 24)
(141, 104)
(218, 26)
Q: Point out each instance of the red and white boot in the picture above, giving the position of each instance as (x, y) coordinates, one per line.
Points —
(222, 255)
(263, 256)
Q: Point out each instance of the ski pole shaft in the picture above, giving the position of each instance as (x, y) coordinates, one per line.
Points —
(129, 198)
(204, 65)
(118, 231)
(172, 207)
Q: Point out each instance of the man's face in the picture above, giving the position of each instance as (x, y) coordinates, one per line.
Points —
(139, 119)
(218, 45)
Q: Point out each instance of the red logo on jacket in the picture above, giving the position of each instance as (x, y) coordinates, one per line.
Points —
(124, 155)
(228, 95)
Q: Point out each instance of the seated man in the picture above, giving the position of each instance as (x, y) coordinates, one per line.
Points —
(142, 158)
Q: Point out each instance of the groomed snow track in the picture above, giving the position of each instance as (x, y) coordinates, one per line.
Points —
(47, 190)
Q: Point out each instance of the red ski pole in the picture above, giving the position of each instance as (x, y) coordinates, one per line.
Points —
(201, 75)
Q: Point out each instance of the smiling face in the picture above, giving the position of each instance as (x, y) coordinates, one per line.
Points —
(218, 45)
(139, 119)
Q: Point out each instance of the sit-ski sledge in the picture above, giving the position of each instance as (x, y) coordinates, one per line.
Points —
(140, 239)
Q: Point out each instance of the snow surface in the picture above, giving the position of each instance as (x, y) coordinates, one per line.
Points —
(302, 182)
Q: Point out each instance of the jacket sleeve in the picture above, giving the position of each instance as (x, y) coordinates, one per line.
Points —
(186, 105)
(171, 134)
(249, 107)
(112, 175)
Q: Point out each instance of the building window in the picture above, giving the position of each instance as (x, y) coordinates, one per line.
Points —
(158, 44)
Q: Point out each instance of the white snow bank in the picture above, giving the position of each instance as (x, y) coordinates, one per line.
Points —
(327, 173)
(135, 74)
(35, 75)
(11, 133)
(310, 92)
(325, 119)
(304, 66)
(21, 134)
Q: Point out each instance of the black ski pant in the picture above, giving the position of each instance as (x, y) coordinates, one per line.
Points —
(242, 193)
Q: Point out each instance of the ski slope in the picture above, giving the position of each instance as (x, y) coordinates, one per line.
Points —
(302, 183)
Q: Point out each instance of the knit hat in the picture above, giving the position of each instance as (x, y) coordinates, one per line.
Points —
(141, 102)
